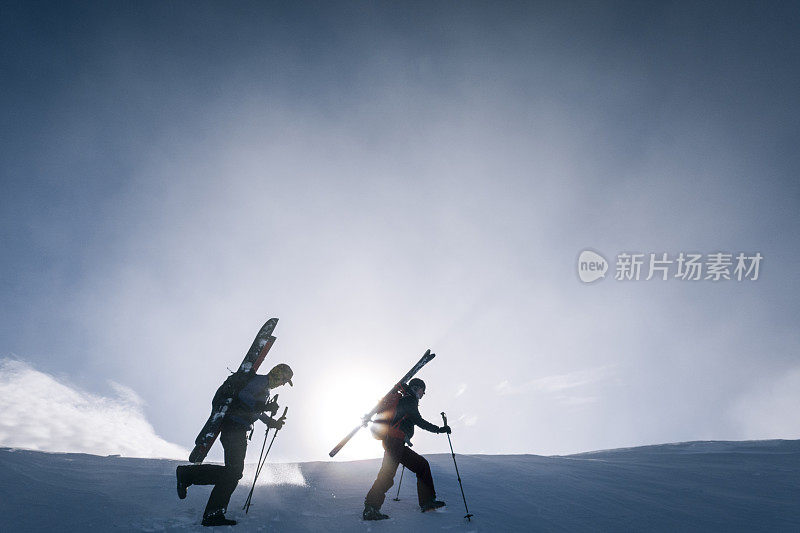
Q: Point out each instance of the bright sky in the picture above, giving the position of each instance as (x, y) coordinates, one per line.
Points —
(390, 178)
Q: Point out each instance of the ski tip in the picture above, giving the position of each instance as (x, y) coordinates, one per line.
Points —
(268, 327)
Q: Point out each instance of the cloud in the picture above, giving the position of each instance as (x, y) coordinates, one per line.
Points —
(39, 413)
(572, 380)
(468, 420)
(769, 410)
(504, 387)
(461, 389)
(560, 386)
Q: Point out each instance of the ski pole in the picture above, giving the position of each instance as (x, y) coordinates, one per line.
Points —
(262, 461)
(258, 469)
(397, 498)
(468, 515)
(250, 494)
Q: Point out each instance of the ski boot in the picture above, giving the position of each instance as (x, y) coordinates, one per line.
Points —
(217, 519)
(182, 483)
(431, 506)
(372, 513)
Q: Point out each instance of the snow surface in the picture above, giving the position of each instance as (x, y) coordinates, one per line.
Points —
(696, 486)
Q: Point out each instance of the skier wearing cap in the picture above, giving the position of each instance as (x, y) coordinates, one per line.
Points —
(397, 444)
(248, 406)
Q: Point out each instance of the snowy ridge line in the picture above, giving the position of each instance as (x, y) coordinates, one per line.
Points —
(699, 446)
(710, 491)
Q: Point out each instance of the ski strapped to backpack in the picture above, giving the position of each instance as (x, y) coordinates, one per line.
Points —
(402, 384)
(227, 392)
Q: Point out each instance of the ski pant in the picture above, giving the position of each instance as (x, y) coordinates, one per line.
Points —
(397, 453)
(224, 478)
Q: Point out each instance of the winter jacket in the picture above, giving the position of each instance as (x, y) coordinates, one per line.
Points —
(407, 416)
(248, 406)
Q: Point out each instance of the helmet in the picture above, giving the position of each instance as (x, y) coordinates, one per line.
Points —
(281, 373)
(416, 382)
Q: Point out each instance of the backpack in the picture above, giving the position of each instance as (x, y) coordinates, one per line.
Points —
(384, 423)
(228, 391)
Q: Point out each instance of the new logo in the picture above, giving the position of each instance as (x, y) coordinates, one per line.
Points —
(591, 266)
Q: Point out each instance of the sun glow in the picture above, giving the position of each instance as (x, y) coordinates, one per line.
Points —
(355, 396)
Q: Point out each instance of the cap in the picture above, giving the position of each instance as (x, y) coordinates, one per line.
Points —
(281, 373)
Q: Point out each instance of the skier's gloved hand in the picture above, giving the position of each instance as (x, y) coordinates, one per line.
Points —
(445, 429)
(271, 407)
(276, 424)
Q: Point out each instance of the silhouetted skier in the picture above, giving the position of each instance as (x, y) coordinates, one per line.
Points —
(248, 406)
(397, 453)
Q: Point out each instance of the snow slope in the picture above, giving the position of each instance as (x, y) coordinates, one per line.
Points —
(696, 486)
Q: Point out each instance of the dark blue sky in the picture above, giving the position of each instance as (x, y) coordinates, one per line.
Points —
(191, 168)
